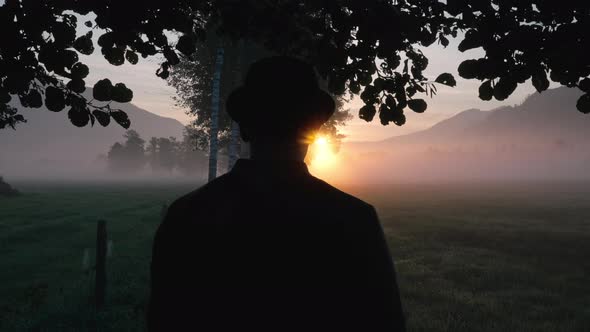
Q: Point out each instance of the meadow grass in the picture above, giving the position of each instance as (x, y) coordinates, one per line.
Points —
(477, 257)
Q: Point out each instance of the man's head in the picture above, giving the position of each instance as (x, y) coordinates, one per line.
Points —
(280, 102)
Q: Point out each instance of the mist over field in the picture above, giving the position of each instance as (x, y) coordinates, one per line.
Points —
(543, 139)
(48, 147)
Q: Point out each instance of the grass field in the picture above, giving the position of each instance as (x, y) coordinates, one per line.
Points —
(478, 257)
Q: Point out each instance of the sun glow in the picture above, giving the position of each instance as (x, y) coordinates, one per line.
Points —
(322, 153)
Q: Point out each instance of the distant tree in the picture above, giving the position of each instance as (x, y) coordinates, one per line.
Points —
(116, 157)
(194, 79)
(129, 156)
(338, 120)
(7, 190)
(152, 154)
(190, 160)
(135, 148)
(366, 47)
(167, 153)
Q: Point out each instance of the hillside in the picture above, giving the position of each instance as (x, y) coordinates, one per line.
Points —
(545, 137)
(48, 139)
(550, 115)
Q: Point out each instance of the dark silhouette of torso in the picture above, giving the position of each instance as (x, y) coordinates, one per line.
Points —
(268, 247)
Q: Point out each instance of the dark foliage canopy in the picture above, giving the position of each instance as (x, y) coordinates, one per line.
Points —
(365, 47)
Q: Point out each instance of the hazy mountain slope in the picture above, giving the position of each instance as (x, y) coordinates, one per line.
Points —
(49, 137)
(446, 129)
(550, 115)
(545, 137)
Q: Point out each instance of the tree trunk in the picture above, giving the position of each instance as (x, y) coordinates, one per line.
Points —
(213, 141)
(234, 144)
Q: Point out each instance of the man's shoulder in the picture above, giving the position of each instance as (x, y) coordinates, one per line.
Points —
(204, 195)
(337, 196)
(311, 189)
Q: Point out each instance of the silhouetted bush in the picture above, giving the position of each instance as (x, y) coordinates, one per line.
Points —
(6, 189)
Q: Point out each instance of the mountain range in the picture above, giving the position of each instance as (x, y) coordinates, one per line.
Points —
(549, 115)
(544, 137)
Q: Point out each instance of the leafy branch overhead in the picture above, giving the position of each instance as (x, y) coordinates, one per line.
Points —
(363, 47)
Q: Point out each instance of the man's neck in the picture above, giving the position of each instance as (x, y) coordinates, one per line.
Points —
(278, 153)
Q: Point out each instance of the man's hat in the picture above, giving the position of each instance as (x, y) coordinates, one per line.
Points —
(280, 94)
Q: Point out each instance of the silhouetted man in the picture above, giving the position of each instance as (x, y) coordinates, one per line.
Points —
(268, 247)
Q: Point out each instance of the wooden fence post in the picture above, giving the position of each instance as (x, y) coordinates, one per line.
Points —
(101, 273)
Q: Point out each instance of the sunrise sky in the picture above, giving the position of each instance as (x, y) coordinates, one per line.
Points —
(153, 94)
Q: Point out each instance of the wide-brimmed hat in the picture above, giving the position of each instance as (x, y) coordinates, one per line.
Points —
(280, 94)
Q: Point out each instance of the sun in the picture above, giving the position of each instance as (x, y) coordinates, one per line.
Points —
(321, 141)
(322, 153)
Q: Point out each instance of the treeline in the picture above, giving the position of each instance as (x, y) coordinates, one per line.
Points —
(159, 154)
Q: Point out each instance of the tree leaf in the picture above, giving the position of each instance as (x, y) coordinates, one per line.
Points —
(365, 79)
(16, 84)
(540, 81)
(486, 92)
(5, 97)
(121, 118)
(115, 55)
(390, 102)
(186, 45)
(77, 85)
(67, 58)
(84, 44)
(354, 87)
(121, 94)
(504, 88)
(102, 117)
(584, 85)
(163, 72)
(63, 33)
(417, 105)
(469, 69)
(446, 79)
(103, 90)
(472, 40)
(444, 41)
(384, 114)
(131, 57)
(78, 116)
(399, 118)
(583, 104)
(367, 113)
(54, 99)
(369, 95)
(106, 40)
(80, 71)
(171, 56)
(32, 99)
(456, 7)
